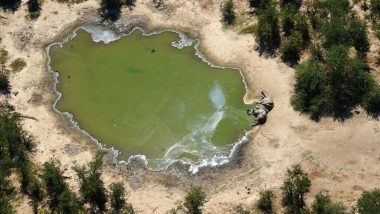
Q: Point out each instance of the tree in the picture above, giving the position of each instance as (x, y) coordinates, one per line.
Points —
(294, 189)
(348, 80)
(110, 9)
(369, 202)
(228, 13)
(11, 5)
(265, 203)
(375, 9)
(35, 193)
(371, 102)
(54, 182)
(288, 22)
(291, 48)
(118, 201)
(34, 9)
(68, 203)
(322, 205)
(91, 185)
(130, 3)
(296, 3)
(358, 36)
(309, 96)
(333, 85)
(268, 34)
(194, 200)
(302, 26)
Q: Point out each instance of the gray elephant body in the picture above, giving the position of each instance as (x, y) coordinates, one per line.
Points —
(263, 106)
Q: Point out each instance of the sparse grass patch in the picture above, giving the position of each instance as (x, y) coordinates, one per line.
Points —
(252, 29)
(18, 64)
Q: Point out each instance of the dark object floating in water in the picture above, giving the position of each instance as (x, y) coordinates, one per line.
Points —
(263, 107)
(68, 76)
(153, 50)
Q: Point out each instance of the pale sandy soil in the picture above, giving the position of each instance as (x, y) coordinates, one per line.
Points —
(342, 158)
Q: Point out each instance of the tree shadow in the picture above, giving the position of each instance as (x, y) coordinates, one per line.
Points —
(110, 10)
(11, 5)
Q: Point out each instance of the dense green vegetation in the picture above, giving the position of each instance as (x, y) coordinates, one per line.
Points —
(92, 187)
(369, 202)
(335, 79)
(294, 190)
(268, 33)
(15, 145)
(228, 13)
(265, 203)
(323, 205)
(193, 202)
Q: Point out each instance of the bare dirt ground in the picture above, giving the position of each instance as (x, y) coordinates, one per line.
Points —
(342, 157)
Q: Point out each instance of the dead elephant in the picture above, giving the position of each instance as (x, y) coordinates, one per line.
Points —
(263, 106)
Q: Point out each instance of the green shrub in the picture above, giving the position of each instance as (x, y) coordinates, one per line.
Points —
(268, 32)
(294, 189)
(331, 86)
(287, 19)
(54, 182)
(302, 26)
(3, 56)
(228, 13)
(296, 3)
(371, 101)
(34, 8)
(376, 29)
(118, 201)
(91, 185)
(291, 48)
(375, 9)
(18, 64)
(309, 89)
(322, 205)
(369, 202)
(68, 203)
(358, 36)
(265, 203)
(36, 194)
(194, 200)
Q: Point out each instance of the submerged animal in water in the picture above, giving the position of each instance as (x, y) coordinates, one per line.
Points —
(263, 107)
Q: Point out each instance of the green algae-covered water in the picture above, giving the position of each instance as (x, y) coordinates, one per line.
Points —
(143, 96)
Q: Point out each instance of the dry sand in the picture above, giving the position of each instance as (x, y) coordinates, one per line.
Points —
(341, 157)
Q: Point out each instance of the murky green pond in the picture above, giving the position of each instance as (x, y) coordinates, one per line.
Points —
(143, 96)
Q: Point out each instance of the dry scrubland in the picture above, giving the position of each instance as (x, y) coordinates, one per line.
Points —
(342, 158)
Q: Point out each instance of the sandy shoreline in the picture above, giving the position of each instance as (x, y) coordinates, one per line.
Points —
(342, 158)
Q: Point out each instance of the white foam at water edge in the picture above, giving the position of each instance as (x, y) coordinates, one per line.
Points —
(218, 161)
(101, 34)
(138, 158)
(185, 41)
